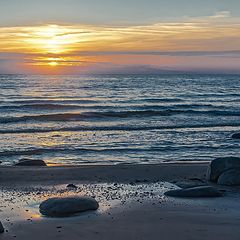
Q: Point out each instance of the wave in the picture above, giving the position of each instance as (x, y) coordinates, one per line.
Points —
(41, 151)
(116, 128)
(160, 100)
(63, 117)
(50, 101)
(55, 106)
(40, 106)
(62, 102)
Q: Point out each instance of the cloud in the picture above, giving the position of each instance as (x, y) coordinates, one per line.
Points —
(230, 53)
(91, 57)
(161, 44)
(221, 14)
(191, 34)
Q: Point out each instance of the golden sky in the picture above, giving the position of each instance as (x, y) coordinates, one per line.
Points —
(210, 42)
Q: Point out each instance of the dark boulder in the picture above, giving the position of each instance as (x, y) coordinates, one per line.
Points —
(230, 177)
(195, 192)
(1, 228)
(236, 136)
(31, 162)
(72, 186)
(67, 206)
(220, 165)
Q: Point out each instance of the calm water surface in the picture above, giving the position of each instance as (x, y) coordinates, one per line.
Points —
(118, 119)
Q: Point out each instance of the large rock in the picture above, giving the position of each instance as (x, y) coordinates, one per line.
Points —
(1, 228)
(220, 165)
(230, 177)
(236, 136)
(30, 162)
(195, 192)
(67, 206)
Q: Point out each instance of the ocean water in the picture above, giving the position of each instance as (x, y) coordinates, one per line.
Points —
(118, 119)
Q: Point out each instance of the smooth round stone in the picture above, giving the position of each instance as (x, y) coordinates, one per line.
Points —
(67, 206)
(31, 162)
(230, 177)
(220, 165)
(1, 228)
(236, 136)
(195, 192)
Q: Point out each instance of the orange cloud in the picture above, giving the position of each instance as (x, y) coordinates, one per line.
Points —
(61, 46)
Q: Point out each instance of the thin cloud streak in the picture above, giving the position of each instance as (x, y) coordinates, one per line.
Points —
(160, 44)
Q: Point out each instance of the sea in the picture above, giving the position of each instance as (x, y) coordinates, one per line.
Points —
(118, 119)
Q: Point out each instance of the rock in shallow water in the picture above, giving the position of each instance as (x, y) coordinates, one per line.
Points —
(67, 206)
(220, 165)
(236, 136)
(230, 177)
(30, 162)
(72, 186)
(195, 192)
(1, 228)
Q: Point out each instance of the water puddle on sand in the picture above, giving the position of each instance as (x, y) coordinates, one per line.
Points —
(22, 204)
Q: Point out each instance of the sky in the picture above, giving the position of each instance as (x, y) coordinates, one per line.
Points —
(127, 36)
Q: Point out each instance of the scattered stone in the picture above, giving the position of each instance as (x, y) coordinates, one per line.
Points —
(1, 228)
(220, 165)
(57, 135)
(195, 192)
(230, 177)
(72, 186)
(236, 136)
(67, 206)
(30, 162)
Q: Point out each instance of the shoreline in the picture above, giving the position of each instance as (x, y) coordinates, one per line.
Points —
(101, 173)
(131, 199)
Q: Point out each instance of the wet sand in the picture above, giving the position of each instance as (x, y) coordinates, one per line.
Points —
(124, 173)
(131, 198)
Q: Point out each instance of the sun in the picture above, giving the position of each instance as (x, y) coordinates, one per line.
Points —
(53, 64)
(53, 45)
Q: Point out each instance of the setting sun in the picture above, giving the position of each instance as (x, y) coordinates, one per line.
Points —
(52, 61)
(53, 64)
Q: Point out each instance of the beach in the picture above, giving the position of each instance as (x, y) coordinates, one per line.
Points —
(124, 141)
(119, 120)
(131, 199)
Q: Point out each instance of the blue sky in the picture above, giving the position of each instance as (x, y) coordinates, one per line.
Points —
(108, 12)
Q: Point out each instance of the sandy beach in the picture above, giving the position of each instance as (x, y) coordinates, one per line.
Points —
(119, 120)
(131, 199)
